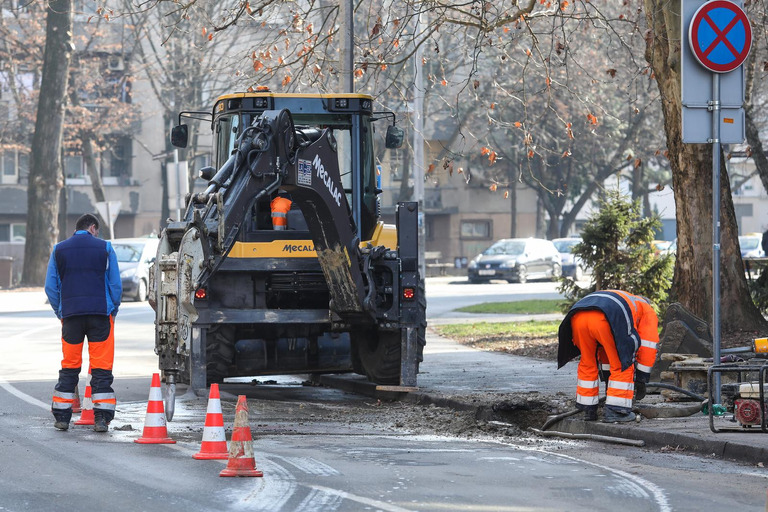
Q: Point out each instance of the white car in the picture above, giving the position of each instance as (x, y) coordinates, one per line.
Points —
(572, 265)
(751, 246)
(134, 257)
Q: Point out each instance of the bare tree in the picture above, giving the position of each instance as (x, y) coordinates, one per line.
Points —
(45, 163)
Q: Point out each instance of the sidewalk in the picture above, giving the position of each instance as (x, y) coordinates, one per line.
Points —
(30, 299)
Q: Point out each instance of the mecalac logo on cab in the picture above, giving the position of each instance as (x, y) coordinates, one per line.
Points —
(298, 248)
(325, 178)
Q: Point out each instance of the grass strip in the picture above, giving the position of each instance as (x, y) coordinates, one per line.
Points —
(534, 328)
(520, 307)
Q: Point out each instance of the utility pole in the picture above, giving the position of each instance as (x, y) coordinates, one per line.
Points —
(347, 57)
(418, 142)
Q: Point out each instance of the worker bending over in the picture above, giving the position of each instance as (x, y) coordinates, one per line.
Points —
(616, 330)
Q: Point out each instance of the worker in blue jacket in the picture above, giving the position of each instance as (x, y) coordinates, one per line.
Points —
(84, 289)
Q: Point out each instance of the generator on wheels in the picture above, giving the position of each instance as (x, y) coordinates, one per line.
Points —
(333, 290)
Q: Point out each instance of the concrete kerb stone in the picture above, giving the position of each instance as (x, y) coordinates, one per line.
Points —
(715, 444)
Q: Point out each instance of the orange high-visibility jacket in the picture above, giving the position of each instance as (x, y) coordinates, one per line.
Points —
(634, 325)
(280, 207)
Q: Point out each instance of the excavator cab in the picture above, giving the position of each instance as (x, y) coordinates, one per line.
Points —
(349, 121)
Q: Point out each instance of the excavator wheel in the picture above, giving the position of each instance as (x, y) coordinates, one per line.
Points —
(219, 353)
(376, 354)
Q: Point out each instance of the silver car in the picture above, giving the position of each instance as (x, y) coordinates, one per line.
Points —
(134, 256)
(516, 260)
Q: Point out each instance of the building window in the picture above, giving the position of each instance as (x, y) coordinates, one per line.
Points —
(13, 233)
(396, 164)
(13, 165)
(429, 228)
(476, 229)
(73, 166)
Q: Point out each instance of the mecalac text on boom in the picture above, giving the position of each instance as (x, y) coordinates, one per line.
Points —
(325, 178)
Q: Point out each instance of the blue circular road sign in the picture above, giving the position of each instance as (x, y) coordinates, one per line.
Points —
(720, 36)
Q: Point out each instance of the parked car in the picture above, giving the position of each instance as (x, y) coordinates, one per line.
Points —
(134, 256)
(516, 260)
(572, 265)
(750, 245)
(671, 249)
(660, 246)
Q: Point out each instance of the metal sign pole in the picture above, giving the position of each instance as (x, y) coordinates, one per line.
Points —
(716, 230)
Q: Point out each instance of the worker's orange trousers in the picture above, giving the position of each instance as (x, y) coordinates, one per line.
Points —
(100, 331)
(591, 332)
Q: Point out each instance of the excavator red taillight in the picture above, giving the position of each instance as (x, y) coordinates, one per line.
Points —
(409, 294)
(201, 293)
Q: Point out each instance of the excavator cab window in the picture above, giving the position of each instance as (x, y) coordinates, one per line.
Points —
(348, 129)
(228, 130)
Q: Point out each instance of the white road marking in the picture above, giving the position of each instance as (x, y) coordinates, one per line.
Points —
(319, 500)
(29, 399)
(309, 465)
(380, 505)
(657, 492)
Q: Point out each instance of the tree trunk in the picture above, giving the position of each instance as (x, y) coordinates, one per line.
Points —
(86, 139)
(45, 180)
(691, 166)
(752, 132)
(512, 202)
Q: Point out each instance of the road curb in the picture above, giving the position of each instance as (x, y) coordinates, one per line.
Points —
(740, 451)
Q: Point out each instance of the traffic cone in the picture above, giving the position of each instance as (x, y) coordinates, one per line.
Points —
(86, 415)
(76, 406)
(241, 462)
(155, 431)
(214, 445)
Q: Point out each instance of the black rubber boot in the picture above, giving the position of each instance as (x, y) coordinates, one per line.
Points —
(616, 416)
(100, 424)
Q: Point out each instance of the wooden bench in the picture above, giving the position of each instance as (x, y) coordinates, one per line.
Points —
(433, 263)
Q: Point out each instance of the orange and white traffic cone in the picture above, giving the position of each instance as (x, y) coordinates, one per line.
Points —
(76, 406)
(241, 461)
(86, 415)
(155, 431)
(214, 445)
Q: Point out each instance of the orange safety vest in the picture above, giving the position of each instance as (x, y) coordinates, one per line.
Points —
(280, 206)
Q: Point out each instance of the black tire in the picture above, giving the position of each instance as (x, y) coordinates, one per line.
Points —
(522, 274)
(141, 291)
(557, 272)
(219, 353)
(376, 354)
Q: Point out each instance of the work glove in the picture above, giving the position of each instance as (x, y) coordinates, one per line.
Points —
(639, 390)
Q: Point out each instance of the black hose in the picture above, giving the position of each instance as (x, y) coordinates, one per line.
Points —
(554, 419)
(675, 388)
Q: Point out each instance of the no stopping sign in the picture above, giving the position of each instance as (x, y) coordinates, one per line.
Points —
(720, 36)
